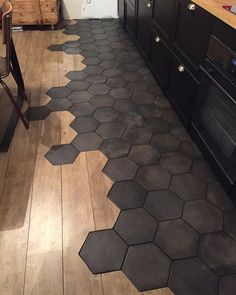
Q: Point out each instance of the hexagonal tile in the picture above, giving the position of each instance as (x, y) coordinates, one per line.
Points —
(116, 82)
(101, 101)
(120, 93)
(130, 119)
(230, 223)
(62, 104)
(120, 169)
(105, 115)
(132, 76)
(62, 154)
(124, 106)
(188, 187)
(72, 50)
(58, 92)
(175, 163)
(177, 239)
(163, 102)
(203, 171)
(110, 130)
(190, 150)
(96, 79)
(127, 194)
(103, 49)
(106, 56)
(80, 96)
(94, 70)
(170, 116)
(78, 85)
(91, 61)
(115, 148)
(137, 135)
(103, 251)
(137, 86)
(156, 125)
(227, 285)
(149, 111)
(82, 109)
(76, 75)
(217, 196)
(99, 89)
(143, 97)
(110, 64)
(37, 113)
(128, 67)
(84, 124)
(147, 267)
(165, 142)
(192, 277)
(218, 251)
(153, 178)
(180, 132)
(56, 47)
(136, 226)
(87, 142)
(144, 155)
(203, 216)
(112, 72)
(164, 205)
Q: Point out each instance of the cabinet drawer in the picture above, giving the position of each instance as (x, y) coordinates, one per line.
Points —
(26, 18)
(159, 58)
(182, 90)
(48, 6)
(131, 19)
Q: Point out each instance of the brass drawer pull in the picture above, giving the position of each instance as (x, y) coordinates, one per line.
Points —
(191, 6)
(148, 4)
(181, 68)
(157, 39)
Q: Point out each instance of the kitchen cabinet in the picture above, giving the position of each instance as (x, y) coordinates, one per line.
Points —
(182, 89)
(159, 58)
(131, 18)
(121, 10)
(192, 31)
(163, 16)
(143, 27)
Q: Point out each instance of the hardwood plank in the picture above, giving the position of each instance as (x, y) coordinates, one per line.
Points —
(163, 291)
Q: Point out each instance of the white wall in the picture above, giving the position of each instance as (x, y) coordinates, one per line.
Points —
(83, 9)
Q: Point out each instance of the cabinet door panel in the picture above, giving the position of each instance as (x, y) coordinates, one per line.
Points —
(131, 19)
(163, 16)
(121, 9)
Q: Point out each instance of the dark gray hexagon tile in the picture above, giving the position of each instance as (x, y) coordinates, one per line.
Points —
(62, 154)
(180, 132)
(130, 119)
(203, 216)
(91, 61)
(147, 267)
(78, 85)
(132, 76)
(192, 277)
(153, 178)
(156, 126)
(164, 205)
(116, 82)
(117, 45)
(188, 187)
(227, 285)
(101, 101)
(62, 104)
(115, 148)
(127, 194)
(137, 86)
(94, 70)
(112, 72)
(162, 102)
(105, 115)
(189, 149)
(103, 49)
(217, 196)
(120, 169)
(110, 130)
(177, 239)
(136, 226)
(144, 97)
(110, 64)
(37, 113)
(149, 111)
(175, 163)
(203, 171)
(84, 124)
(80, 96)
(106, 56)
(120, 93)
(87, 142)
(128, 67)
(89, 53)
(76, 75)
(82, 109)
(165, 142)
(218, 251)
(72, 50)
(230, 223)
(58, 92)
(87, 46)
(100, 36)
(99, 89)
(103, 251)
(56, 47)
(170, 116)
(144, 155)
(125, 106)
(136, 135)
(96, 79)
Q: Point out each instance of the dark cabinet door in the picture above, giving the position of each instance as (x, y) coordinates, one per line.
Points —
(144, 22)
(121, 9)
(159, 58)
(192, 32)
(182, 90)
(163, 16)
(131, 18)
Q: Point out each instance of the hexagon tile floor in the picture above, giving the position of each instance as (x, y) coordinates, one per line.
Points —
(176, 228)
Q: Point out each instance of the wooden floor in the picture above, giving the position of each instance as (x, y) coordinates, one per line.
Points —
(46, 211)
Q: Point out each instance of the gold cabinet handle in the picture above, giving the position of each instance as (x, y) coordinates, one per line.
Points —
(148, 4)
(181, 68)
(157, 39)
(191, 6)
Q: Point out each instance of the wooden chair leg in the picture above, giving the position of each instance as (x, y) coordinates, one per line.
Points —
(5, 87)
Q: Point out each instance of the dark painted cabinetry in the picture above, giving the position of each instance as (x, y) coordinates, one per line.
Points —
(131, 17)
(121, 9)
